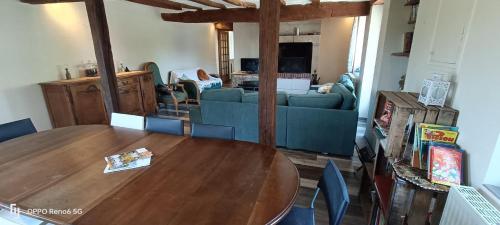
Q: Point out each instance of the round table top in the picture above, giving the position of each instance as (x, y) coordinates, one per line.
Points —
(189, 181)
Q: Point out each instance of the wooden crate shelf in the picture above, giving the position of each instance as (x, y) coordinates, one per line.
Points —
(404, 105)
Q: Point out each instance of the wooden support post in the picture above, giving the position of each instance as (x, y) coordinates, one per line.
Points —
(269, 23)
(102, 46)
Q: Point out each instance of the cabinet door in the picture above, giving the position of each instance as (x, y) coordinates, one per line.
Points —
(449, 32)
(130, 98)
(58, 101)
(88, 104)
(148, 93)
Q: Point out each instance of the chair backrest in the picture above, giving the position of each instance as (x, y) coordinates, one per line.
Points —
(153, 68)
(164, 125)
(127, 121)
(212, 131)
(16, 129)
(333, 186)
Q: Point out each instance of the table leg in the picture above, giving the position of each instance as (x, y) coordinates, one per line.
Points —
(409, 203)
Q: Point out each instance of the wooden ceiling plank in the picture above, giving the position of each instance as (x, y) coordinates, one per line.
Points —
(241, 3)
(158, 3)
(288, 13)
(315, 2)
(185, 6)
(48, 1)
(210, 3)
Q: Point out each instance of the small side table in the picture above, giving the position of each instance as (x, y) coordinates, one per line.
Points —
(418, 179)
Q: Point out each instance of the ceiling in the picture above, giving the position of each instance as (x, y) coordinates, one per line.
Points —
(288, 2)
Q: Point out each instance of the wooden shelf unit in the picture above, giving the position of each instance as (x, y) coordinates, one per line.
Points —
(390, 147)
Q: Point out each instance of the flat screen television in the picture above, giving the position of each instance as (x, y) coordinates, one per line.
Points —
(295, 57)
(250, 65)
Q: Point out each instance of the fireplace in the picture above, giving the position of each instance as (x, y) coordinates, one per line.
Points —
(295, 57)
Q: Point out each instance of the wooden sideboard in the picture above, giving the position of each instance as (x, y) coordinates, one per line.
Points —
(79, 101)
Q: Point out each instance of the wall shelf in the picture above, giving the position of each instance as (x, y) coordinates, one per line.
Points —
(413, 2)
(401, 54)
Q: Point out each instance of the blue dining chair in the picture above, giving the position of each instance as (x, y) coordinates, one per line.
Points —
(164, 125)
(337, 199)
(212, 131)
(16, 129)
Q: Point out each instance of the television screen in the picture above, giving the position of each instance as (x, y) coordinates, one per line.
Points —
(250, 65)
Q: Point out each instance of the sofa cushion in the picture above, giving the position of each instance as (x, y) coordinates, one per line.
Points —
(347, 82)
(190, 74)
(223, 95)
(348, 98)
(325, 101)
(281, 98)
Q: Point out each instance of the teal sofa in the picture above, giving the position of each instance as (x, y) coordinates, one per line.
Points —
(313, 122)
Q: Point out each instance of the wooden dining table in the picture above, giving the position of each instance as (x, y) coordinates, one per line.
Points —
(190, 181)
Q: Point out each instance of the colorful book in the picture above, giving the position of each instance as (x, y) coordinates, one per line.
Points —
(445, 165)
(426, 133)
(129, 160)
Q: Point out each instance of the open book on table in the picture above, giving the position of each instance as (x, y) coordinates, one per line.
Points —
(129, 160)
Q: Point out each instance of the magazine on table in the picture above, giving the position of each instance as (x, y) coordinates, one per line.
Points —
(128, 160)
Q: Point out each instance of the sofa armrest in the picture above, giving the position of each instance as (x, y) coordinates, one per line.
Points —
(195, 114)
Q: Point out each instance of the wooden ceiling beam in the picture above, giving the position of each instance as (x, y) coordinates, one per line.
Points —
(210, 3)
(158, 3)
(288, 13)
(315, 2)
(241, 3)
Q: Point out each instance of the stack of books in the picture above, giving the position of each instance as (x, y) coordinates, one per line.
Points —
(435, 150)
(129, 160)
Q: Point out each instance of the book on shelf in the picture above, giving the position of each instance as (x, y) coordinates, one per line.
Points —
(427, 133)
(445, 164)
(128, 160)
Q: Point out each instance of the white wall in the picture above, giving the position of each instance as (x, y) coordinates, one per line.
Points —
(388, 68)
(38, 41)
(246, 42)
(333, 49)
(476, 81)
(374, 24)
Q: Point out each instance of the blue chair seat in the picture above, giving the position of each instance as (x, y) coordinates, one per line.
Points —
(334, 189)
(299, 216)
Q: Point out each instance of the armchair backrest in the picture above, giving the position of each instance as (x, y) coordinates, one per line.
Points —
(152, 67)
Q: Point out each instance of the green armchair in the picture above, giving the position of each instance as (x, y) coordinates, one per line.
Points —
(167, 94)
